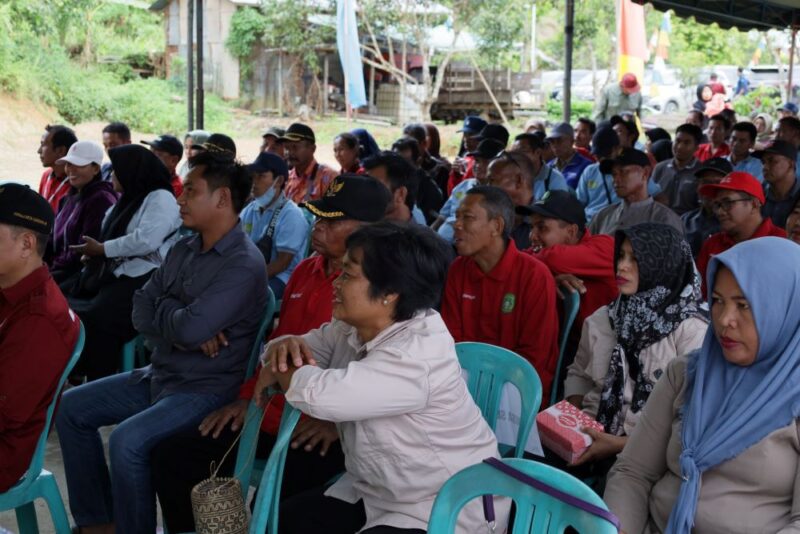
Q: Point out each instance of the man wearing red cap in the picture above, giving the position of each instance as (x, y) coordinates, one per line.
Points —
(619, 97)
(737, 202)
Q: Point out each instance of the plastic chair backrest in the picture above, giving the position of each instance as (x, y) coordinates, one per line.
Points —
(310, 219)
(38, 454)
(267, 500)
(536, 511)
(263, 328)
(489, 369)
(572, 303)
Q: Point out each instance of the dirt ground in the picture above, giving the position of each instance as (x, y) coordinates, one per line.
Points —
(22, 123)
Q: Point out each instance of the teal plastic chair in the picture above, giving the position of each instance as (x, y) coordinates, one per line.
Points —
(134, 354)
(267, 501)
(38, 482)
(490, 368)
(572, 303)
(536, 511)
(263, 328)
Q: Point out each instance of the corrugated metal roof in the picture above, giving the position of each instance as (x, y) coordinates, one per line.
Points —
(743, 14)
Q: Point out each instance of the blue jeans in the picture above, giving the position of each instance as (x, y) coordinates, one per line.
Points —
(126, 497)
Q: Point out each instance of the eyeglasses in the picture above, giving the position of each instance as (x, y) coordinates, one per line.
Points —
(727, 204)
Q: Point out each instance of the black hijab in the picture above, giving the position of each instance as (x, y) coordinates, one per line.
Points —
(140, 173)
(668, 294)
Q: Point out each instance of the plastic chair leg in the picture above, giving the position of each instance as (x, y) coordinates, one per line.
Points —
(58, 513)
(26, 519)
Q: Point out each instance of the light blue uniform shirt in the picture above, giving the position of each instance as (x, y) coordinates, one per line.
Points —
(592, 193)
(448, 211)
(291, 232)
(749, 165)
(557, 182)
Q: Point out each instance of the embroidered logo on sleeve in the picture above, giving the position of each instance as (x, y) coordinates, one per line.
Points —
(509, 301)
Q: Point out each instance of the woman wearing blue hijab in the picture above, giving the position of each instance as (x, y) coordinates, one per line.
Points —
(717, 448)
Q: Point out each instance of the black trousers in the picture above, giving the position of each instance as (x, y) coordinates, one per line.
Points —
(312, 512)
(180, 462)
(107, 320)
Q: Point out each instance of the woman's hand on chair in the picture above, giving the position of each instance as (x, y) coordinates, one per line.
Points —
(290, 351)
(314, 432)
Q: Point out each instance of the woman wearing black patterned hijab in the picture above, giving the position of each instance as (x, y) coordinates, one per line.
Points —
(626, 345)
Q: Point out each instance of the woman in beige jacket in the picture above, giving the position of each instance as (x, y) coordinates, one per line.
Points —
(386, 372)
(716, 449)
(626, 346)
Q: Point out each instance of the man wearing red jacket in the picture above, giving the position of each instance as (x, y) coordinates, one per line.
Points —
(38, 331)
(578, 260)
(495, 293)
(737, 202)
(180, 462)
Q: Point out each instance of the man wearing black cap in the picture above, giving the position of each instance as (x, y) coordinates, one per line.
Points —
(701, 223)
(308, 179)
(315, 456)
(274, 223)
(578, 260)
(789, 130)
(560, 239)
(463, 164)
(781, 186)
(169, 150)
(482, 156)
(271, 141)
(630, 171)
(676, 177)
(38, 331)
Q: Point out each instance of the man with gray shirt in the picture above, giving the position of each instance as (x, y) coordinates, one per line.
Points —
(630, 171)
(200, 310)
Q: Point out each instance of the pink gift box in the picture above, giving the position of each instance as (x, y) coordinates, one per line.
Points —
(560, 430)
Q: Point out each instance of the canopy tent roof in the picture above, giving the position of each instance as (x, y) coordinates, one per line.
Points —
(743, 14)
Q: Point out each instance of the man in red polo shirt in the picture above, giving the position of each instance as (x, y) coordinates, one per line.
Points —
(716, 147)
(737, 202)
(182, 461)
(495, 293)
(38, 331)
(54, 145)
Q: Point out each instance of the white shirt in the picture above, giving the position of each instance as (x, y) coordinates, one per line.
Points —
(145, 245)
(406, 419)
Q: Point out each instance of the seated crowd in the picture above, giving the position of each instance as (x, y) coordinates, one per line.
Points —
(684, 348)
